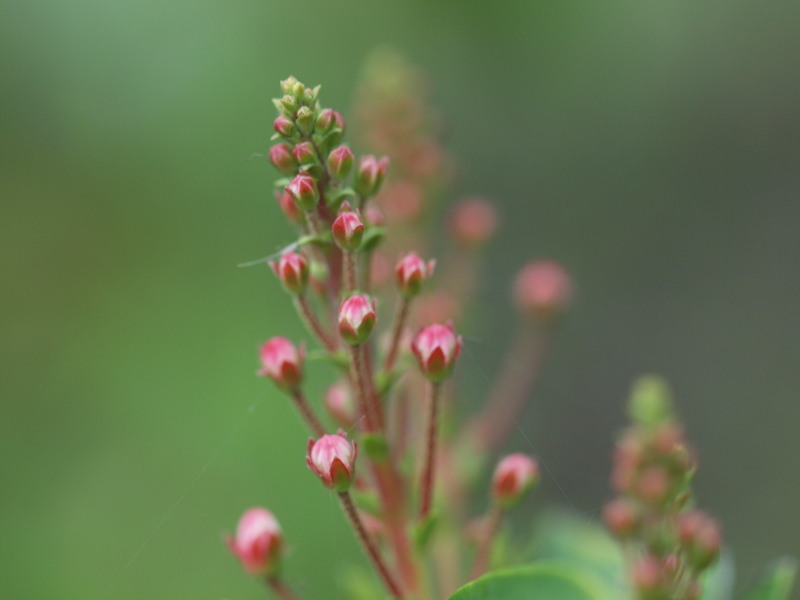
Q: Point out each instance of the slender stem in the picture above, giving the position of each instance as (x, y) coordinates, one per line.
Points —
(397, 332)
(308, 413)
(485, 544)
(280, 589)
(372, 390)
(306, 312)
(369, 546)
(350, 282)
(359, 385)
(426, 484)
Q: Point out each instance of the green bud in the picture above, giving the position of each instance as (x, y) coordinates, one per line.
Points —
(287, 85)
(650, 404)
(289, 104)
(305, 120)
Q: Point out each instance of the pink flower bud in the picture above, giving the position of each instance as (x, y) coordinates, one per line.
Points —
(333, 459)
(542, 289)
(654, 484)
(411, 272)
(280, 155)
(621, 517)
(370, 174)
(258, 543)
(290, 209)
(402, 200)
(303, 190)
(513, 477)
(472, 222)
(284, 126)
(340, 162)
(437, 347)
(325, 121)
(340, 404)
(374, 215)
(437, 307)
(700, 536)
(306, 120)
(347, 229)
(293, 271)
(646, 574)
(282, 362)
(357, 317)
(305, 154)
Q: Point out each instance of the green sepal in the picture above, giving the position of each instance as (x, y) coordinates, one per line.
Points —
(372, 237)
(375, 446)
(330, 140)
(281, 108)
(423, 532)
(335, 200)
(367, 501)
(282, 182)
(339, 359)
(384, 381)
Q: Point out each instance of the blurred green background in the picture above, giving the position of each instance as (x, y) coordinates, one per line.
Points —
(653, 147)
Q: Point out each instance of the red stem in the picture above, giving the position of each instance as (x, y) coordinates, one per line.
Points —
(426, 485)
(280, 589)
(350, 282)
(369, 546)
(312, 322)
(308, 413)
(360, 386)
(485, 544)
(397, 332)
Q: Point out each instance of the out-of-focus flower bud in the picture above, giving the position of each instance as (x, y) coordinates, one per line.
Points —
(333, 459)
(646, 575)
(437, 347)
(284, 126)
(340, 404)
(370, 174)
(654, 484)
(303, 189)
(700, 536)
(650, 404)
(542, 290)
(326, 120)
(347, 229)
(258, 543)
(340, 162)
(280, 155)
(305, 154)
(292, 269)
(357, 317)
(287, 85)
(305, 120)
(290, 209)
(436, 307)
(411, 272)
(514, 476)
(310, 96)
(374, 216)
(666, 438)
(282, 362)
(380, 269)
(472, 222)
(621, 517)
(402, 201)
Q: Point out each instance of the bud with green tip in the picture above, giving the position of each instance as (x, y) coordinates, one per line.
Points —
(305, 120)
(348, 228)
(340, 162)
(303, 190)
(305, 154)
(284, 126)
(370, 174)
(357, 317)
(280, 155)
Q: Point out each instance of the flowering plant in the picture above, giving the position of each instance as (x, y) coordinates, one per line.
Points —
(403, 480)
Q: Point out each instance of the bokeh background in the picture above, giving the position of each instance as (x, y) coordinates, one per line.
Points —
(653, 147)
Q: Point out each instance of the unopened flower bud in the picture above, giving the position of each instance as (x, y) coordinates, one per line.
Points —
(542, 289)
(514, 476)
(437, 347)
(411, 272)
(305, 120)
(284, 126)
(700, 536)
(292, 269)
(282, 362)
(333, 459)
(310, 95)
(258, 543)
(621, 517)
(305, 154)
(654, 484)
(303, 189)
(280, 155)
(326, 120)
(340, 162)
(287, 85)
(472, 222)
(289, 103)
(357, 317)
(290, 209)
(373, 215)
(347, 229)
(646, 575)
(340, 404)
(370, 174)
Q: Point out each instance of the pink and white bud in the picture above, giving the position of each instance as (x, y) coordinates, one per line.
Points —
(303, 190)
(411, 272)
(333, 459)
(340, 404)
(292, 269)
(258, 543)
(284, 126)
(514, 476)
(542, 289)
(280, 155)
(282, 362)
(348, 228)
(370, 174)
(340, 162)
(305, 154)
(437, 347)
(357, 317)
(472, 222)
(290, 209)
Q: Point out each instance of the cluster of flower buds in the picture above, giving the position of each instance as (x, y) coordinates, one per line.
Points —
(653, 467)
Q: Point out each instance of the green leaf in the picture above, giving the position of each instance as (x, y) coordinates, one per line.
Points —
(552, 580)
(423, 531)
(340, 360)
(719, 580)
(375, 446)
(372, 237)
(776, 582)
